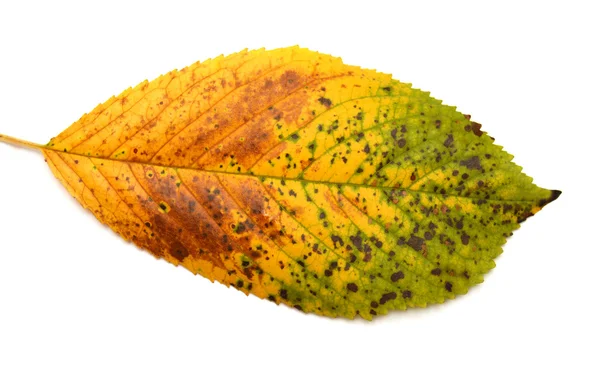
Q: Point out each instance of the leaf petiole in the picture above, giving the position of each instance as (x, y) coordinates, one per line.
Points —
(19, 142)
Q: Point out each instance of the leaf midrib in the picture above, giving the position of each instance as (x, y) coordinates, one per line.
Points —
(302, 180)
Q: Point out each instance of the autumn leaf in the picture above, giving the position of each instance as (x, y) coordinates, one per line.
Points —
(292, 176)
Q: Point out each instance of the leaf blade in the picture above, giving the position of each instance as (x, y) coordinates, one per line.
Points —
(296, 178)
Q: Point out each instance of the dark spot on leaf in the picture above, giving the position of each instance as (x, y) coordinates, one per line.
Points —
(449, 141)
(397, 276)
(179, 252)
(336, 240)
(476, 127)
(357, 241)
(448, 286)
(325, 101)
(387, 297)
(472, 163)
(416, 243)
(352, 287)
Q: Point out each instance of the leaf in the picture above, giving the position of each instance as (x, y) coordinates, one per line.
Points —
(292, 176)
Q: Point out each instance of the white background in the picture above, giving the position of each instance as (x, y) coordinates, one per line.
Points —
(75, 300)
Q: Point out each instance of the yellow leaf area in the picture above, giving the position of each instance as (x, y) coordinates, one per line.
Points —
(292, 176)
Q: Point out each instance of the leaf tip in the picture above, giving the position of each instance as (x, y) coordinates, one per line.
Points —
(554, 194)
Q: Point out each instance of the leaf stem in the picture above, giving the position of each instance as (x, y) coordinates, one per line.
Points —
(19, 142)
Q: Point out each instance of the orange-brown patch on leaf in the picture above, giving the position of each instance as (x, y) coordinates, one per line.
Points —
(193, 231)
(255, 201)
(233, 111)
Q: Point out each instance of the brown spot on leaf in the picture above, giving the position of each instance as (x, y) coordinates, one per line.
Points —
(387, 297)
(397, 276)
(416, 243)
(449, 141)
(476, 128)
(352, 287)
(448, 286)
(325, 102)
(472, 163)
(178, 251)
